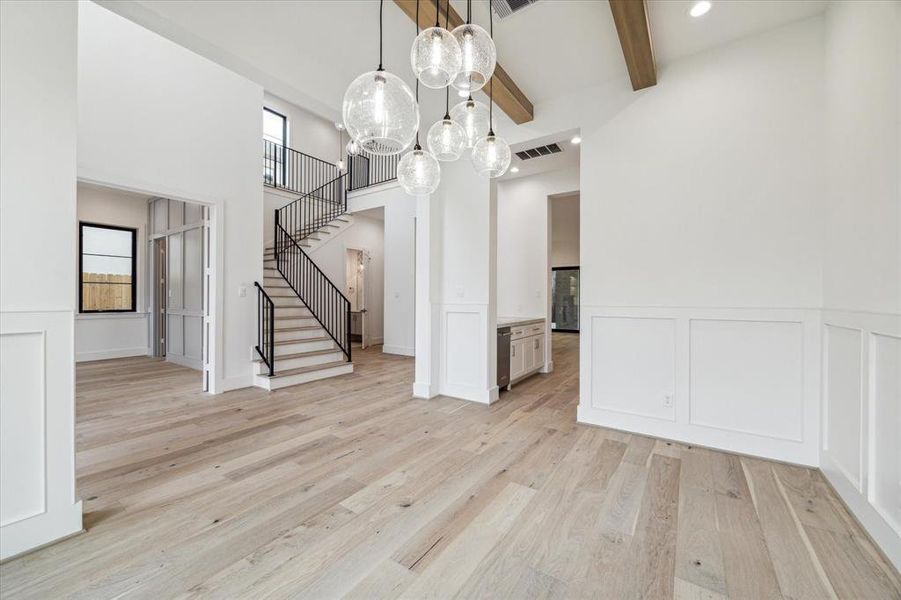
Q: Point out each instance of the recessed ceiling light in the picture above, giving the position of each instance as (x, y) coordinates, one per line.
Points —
(700, 8)
(576, 140)
(514, 169)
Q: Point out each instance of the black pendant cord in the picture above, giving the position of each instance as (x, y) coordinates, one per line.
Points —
(437, 14)
(491, 81)
(468, 11)
(417, 146)
(381, 11)
(446, 89)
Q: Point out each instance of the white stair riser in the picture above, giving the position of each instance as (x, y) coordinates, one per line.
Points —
(299, 335)
(286, 364)
(303, 346)
(292, 312)
(281, 382)
(282, 322)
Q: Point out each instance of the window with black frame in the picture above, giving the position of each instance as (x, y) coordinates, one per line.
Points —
(107, 278)
(565, 299)
(275, 138)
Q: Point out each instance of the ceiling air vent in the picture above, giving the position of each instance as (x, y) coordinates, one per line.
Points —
(505, 8)
(539, 151)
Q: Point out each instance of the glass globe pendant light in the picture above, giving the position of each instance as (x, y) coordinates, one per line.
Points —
(352, 148)
(478, 52)
(473, 116)
(379, 110)
(491, 154)
(446, 138)
(436, 56)
(418, 172)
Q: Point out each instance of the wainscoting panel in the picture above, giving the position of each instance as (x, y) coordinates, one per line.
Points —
(22, 413)
(843, 400)
(758, 366)
(111, 335)
(37, 430)
(463, 360)
(885, 466)
(636, 366)
(744, 380)
(861, 449)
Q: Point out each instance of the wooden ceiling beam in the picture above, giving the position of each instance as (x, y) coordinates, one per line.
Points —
(631, 19)
(507, 95)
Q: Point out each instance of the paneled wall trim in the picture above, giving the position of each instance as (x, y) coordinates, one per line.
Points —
(464, 373)
(739, 379)
(861, 450)
(37, 494)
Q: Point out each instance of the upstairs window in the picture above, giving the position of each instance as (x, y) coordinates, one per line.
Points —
(275, 138)
(107, 261)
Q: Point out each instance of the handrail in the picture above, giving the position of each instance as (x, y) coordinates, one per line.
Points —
(365, 170)
(293, 170)
(325, 301)
(314, 209)
(265, 328)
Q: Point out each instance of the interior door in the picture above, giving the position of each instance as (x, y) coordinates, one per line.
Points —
(565, 299)
(160, 296)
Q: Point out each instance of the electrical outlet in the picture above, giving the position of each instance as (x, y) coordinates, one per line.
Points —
(668, 400)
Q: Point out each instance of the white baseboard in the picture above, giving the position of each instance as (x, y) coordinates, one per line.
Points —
(40, 530)
(399, 350)
(424, 391)
(191, 363)
(237, 383)
(108, 354)
(464, 392)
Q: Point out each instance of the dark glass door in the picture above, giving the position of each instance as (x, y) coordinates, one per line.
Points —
(565, 299)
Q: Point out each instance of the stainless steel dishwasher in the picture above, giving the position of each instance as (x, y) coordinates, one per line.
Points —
(503, 357)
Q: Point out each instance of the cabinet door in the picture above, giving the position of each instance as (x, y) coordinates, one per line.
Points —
(537, 351)
(529, 352)
(518, 352)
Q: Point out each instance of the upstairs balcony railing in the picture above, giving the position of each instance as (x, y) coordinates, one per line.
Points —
(365, 170)
(294, 171)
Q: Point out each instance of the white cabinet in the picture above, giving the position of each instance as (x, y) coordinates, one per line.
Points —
(527, 347)
(518, 352)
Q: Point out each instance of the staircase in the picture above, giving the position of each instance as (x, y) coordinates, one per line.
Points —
(303, 319)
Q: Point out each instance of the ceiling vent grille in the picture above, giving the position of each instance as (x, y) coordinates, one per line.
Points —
(539, 151)
(505, 8)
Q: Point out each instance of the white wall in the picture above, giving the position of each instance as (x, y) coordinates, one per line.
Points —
(157, 118)
(400, 268)
(330, 256)
(862, 266)
(565, 231)
(701, 207)
(524, 239)
(115, 335)
(307, 132)
(37, 294)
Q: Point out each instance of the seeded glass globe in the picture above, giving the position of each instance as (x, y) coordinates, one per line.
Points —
(491, 156)
(473, 117)
(352, 148)
(479, 57)
(380, 113)
(418, 172)
(446, 139)
(436, 57)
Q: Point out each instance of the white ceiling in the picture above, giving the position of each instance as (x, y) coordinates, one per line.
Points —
(308, 51)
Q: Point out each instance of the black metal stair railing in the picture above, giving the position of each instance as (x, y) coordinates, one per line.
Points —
(365, 170)
(295, 222)
(294, 171)
(265, 328)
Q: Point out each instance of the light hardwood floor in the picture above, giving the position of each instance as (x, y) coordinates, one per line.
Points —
(348, 487)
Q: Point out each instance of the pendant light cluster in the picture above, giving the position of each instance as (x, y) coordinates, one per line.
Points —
(381, 113)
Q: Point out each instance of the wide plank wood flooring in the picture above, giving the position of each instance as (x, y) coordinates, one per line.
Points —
(347, 487)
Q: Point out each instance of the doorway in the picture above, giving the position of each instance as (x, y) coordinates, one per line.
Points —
(565, 299)
(356, 263)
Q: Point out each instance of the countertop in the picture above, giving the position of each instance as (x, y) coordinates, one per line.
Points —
(518, 321)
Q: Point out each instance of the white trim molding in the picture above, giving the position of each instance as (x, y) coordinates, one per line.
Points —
(739, 379)
(37, 417)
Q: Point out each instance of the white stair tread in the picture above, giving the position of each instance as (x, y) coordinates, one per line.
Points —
(301, 370)
(304, 354)
(301, 328)
(323, 338)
